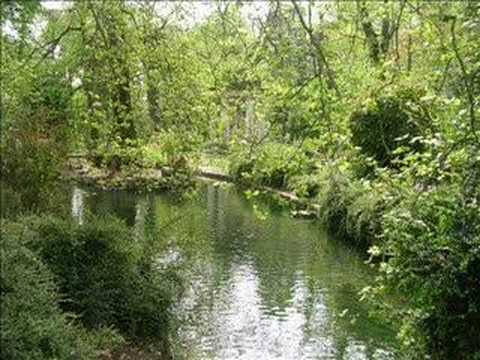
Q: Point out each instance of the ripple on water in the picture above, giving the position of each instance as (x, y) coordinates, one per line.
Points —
(273, 289)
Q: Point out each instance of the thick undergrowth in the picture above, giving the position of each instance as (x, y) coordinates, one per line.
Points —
(74, 291)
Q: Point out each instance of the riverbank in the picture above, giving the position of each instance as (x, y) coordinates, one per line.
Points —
(82, 171)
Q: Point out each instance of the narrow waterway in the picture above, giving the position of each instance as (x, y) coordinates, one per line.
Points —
(259, 284)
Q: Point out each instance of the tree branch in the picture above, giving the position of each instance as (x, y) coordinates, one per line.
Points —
(314, 41)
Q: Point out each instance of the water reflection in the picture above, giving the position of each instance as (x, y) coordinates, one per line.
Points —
(141, 210)
(78, 196)
(270, 289)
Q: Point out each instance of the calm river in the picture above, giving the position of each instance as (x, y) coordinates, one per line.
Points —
(259, 284)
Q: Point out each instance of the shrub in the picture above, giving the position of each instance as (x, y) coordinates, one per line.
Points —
(305, 185)
(432, 252)
(32, 323)
(388, 122)
(103, 274)
(34, 132)
(277, 163)
(17, 202)
(350, 208)
(175, 146)
(116, 157)
(30, 161)
(241, 164)
(165, 149)
(271, 165)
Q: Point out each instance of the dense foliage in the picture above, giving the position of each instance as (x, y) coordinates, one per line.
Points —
(369, 110)
(386, 125)
(60, 279)
(434, 243)
(33, 325)
(98, 264)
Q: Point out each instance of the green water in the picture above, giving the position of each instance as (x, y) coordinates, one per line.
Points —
(257, 287)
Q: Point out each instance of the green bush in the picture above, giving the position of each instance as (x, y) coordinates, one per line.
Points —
(176, 147)
(34, 132)
(116, 157)
(101, 269)
(33, 325)
(165, 149)
(387, 123)
(30, 160)
(350, 208)
(432, 252)
(271, 164)
(306, 186)
(241, 164)
(278, 163)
